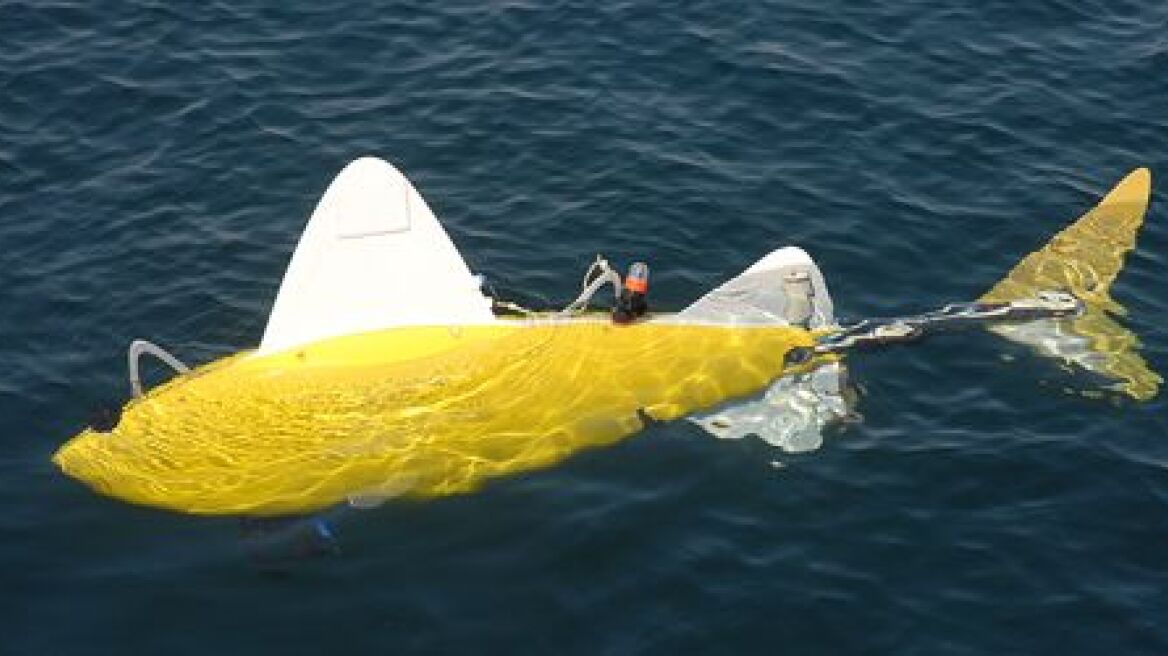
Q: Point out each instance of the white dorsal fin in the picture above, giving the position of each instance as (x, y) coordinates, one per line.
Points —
(793, 411)
(373, 256)
(758, 294)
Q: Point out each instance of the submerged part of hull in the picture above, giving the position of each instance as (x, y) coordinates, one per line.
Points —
(1085, 259)
(412, 411)
(791, 414)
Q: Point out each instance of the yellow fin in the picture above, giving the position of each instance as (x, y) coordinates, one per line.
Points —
(1085, 259)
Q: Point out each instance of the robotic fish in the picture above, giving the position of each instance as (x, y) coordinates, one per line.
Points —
(368, 384)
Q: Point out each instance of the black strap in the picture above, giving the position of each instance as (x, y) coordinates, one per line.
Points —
(896, 330)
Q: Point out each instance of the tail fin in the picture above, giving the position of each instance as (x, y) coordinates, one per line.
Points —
(1085, 259)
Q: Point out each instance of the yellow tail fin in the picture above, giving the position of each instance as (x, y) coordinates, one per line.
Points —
(1085, 259)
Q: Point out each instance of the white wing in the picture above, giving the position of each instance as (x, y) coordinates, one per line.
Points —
(373, 256)
(761, 294)
(784, 287)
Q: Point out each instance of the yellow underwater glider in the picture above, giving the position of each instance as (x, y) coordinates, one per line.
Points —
(384, 371)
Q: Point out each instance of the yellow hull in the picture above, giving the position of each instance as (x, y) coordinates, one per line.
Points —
(419, 411)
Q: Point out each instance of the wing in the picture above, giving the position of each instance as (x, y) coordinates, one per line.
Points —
(373, 256)
(782, 287)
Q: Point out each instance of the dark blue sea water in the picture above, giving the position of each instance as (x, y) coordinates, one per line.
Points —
(158, 161)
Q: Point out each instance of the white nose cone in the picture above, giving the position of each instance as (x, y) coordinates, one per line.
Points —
(373, 256)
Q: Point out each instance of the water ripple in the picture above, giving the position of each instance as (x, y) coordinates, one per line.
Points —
(159, 161)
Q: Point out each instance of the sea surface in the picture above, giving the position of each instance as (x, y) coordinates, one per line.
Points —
(159, 160)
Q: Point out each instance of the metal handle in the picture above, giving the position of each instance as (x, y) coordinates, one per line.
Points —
(141, 346)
